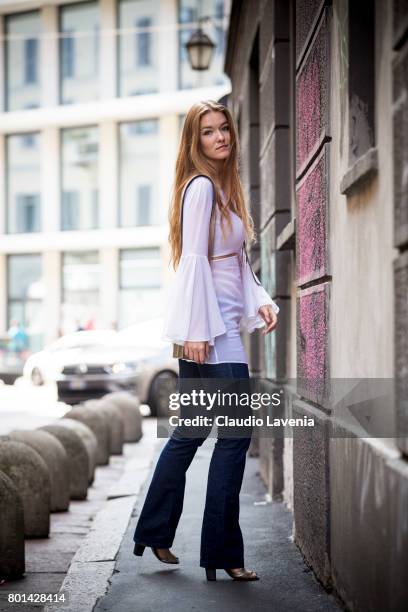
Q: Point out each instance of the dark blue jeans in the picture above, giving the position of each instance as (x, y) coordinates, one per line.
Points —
(221, 537)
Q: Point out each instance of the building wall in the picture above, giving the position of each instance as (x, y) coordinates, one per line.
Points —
(334, 256)
(259, 73)
(400, 136)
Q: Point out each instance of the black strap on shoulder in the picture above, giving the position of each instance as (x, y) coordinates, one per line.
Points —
(182, 205)
(212, 211)
(249, 263)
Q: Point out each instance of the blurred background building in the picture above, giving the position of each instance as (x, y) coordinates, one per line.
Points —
(93, 96)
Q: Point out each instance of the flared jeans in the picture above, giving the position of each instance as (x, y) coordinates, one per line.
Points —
(221, 537)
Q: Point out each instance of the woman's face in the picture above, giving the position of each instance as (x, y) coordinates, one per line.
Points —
(215, 137)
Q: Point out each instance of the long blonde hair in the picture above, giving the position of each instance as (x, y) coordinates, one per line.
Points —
(191, 161)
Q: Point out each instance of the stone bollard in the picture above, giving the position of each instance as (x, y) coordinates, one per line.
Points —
(98, 423)
(12, 559)
(128, 405)
(54, 455)
(88, 438)
(77, 457)
(29, 473)
(115, 422)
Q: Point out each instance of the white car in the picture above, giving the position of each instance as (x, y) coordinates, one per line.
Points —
(46, 365)
(89, 364)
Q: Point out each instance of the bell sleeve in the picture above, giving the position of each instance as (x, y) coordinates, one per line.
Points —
(193, 313)
(255, 296)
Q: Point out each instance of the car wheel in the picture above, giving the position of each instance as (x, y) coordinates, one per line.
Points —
(162, 385)
(36, 377)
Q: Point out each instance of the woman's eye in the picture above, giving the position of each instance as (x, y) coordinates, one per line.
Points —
(226, 128)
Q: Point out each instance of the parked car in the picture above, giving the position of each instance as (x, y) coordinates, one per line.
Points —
(92, 373)
(89, 364)
(45, 366)
(157, 372)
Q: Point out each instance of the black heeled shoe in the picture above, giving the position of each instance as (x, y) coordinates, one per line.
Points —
(211, 573)
(168, 558)
(240, 574)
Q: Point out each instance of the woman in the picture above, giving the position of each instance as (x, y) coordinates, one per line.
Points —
(215, 291)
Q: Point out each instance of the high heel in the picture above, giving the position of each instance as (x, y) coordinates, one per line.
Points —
(236, 574)
(242, 574)
(167, 558)
(211, 573)
(139, 549)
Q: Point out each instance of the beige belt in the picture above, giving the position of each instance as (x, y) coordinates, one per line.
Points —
(225, 256)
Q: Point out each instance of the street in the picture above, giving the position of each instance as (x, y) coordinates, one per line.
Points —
(24, 406)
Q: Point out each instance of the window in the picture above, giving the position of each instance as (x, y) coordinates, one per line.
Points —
(27, 206)
(181, 119)
(80, 290)
(138, 50)
(139, 161)
(363, 156)
(23, 60)
(79, 195)
(189, 12)
(23, 183)
(143, 42)
(67, 56)
(70, 210)
(26, 291)
(79, 52)
(140, 281)
(28, 141)
(30, 60)
(147, 126)
(361, 77)
(95, 207)
(143, 204)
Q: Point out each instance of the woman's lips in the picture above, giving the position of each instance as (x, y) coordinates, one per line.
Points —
(223, 147)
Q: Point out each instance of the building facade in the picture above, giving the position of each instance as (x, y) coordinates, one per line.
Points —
(319, 90)
(93, 94)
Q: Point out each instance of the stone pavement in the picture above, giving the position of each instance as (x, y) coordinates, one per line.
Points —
(86, 537)
(286, 585)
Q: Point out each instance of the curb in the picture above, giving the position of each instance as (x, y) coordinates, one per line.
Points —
(93, 564)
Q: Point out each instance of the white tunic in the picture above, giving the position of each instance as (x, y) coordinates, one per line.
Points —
(213, 300)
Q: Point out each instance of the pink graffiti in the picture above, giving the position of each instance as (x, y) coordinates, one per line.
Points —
(311, 198)
(312, 334)
(310, 100)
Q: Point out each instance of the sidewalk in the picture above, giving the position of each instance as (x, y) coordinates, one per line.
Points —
(78, 557)
(286, 585)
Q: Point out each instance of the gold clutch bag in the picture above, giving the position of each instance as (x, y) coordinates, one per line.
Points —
(178, 351)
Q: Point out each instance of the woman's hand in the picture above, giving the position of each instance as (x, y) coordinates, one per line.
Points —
(197, 351)
(270, 317)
